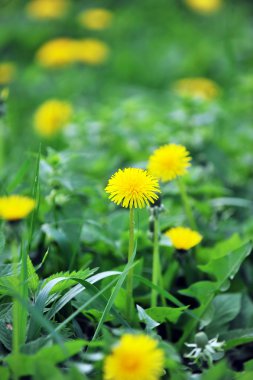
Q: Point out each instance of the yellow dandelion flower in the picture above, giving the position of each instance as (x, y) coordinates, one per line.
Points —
(183, 238)
(92, 51)
(47, 9)
(136, 357)
(132, 187)
(7, 72)
(204, 6)
(96, 19)
(58, 52)
(52, 116)
(201, 88)
(169, 161)
(15, 207)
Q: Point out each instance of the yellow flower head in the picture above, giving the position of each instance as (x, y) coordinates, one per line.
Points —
(92, 51)
(65, 51)
(58, 52)
(132, 187)
(15, 207)
(7, 72)
(169, 161)
(183, 238)
(201, 88)
(46, 9)
(51, 117)
(136, 357)
(96, 19)
(204, 6)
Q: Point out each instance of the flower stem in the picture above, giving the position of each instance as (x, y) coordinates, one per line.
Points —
(186, 203)
(15, 307)
(156, 271)
(129, 287)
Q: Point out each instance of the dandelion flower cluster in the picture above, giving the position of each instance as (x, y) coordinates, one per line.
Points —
(7, 72)
(201, 88)
(46, 9)
(204, 6)
(64, 51)
(96, 19)
(183, 238)
(52, 116)
(136, 357)
(132, 187)
(169, 161)
(15, 207)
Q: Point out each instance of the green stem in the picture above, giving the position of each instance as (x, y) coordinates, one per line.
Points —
(15, 307)
(156, 271)
(129, 286)
(186, 203)
(1, 145)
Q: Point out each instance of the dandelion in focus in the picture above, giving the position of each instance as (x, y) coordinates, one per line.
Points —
(183, 238)
(96, 19)
(204, 6)
(15, 207)
(7, 72)
(47, 9)
(51, 117)
(136, 357)
(200, 88)
(132, 187)
(169, 161)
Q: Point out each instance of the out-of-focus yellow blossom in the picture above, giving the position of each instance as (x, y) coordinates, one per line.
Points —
(56, 53)
(183, 238)
(47, 9)
(96, 19)
(15, 207)
(92, 51)
(204, 6)
(52, 116)
(136, 357)
(201, 88)
(7, 72)
(64, 51)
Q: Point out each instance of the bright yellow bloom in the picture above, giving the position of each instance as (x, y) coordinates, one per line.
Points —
(97, 18)
(132, 187)
(201, 88)
(7, 72)
(58, 52)
(65, 51)
(92, 51)
(52, 116)
(15, 207)
(46, 9)
(183, 238)
(169, 161)
(136, 357)
(204, 6)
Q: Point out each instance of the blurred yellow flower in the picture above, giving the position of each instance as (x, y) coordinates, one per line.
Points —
(57, 52)
(47, 9)
(15, 207)
(169, 161)
(136, 357)
(97, 18)
(64, 51)
(92, 51)
(7, 72)
(183, 238)
(204, 6)
(132, 187)
(201, 88)
(52, 116)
